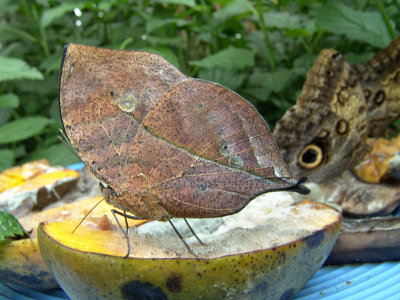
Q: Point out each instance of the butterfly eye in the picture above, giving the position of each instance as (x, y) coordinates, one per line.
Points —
(102, 186)
(108, 189)
(310, 157)
(113, 192)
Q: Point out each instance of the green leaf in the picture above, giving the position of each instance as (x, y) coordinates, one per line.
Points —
(11, 33)
(6, 159)
(230, 58)
(165, 52)
(190, 3)
(51, 63)
(5, 115)
(308, 28)
(7, 6)
(57, 155)
(9, 100)
(49, 15)
(232, 80)
(10, 227)
(154, 24)
(14, 68)
(156, 40)
(281, 20)
(22, 129)
(232, 9)
(354, 58)
(275, 81)
(368, 27)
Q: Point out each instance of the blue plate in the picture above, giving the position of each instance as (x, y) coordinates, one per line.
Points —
(349, 282)
(76, 167)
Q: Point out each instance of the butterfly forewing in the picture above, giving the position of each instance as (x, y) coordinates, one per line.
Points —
(380, 79)
(104, 95)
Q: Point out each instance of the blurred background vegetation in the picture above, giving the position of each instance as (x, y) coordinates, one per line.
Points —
(261, 49)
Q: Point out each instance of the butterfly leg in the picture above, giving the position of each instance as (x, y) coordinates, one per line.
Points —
(126, 223)
(180, 236)
(192, 231)
(125, 232)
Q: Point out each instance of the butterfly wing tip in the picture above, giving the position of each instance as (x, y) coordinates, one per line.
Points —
(300, 188)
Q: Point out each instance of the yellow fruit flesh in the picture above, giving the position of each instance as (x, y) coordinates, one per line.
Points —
(33, 175)
(76, 211)
(89, 236)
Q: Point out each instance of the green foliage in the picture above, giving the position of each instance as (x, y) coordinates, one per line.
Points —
(356, 25)
(261, 49)
(22, 129)
(14, 68)
(10, 228)
(229, 58)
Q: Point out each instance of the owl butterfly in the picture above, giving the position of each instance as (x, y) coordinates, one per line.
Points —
(165, 145)
(310, 135)
(325, 131)
(380, 80)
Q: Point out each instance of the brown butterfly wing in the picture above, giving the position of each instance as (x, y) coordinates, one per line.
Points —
(95, 83)
(162, 141)
(226, 156)
(380, 79)
(333, 83)
(325, 132)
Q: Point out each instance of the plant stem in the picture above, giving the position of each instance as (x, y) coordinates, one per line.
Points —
(388, 24)
(270, 50)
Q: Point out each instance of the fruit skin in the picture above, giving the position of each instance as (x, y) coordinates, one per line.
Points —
(21, 264)
(273, 273)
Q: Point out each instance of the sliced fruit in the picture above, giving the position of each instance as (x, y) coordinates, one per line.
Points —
(382, 163)
(259, 253)
(33, 186)
(21, 262)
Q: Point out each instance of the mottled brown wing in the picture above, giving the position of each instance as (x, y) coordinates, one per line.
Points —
(325, 132)
(380, 79)
(104, 95)
(159, 138)
(221, 153)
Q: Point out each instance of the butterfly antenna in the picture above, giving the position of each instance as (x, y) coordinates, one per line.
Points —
(63, 140)
(192, 231)
(76, 227)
